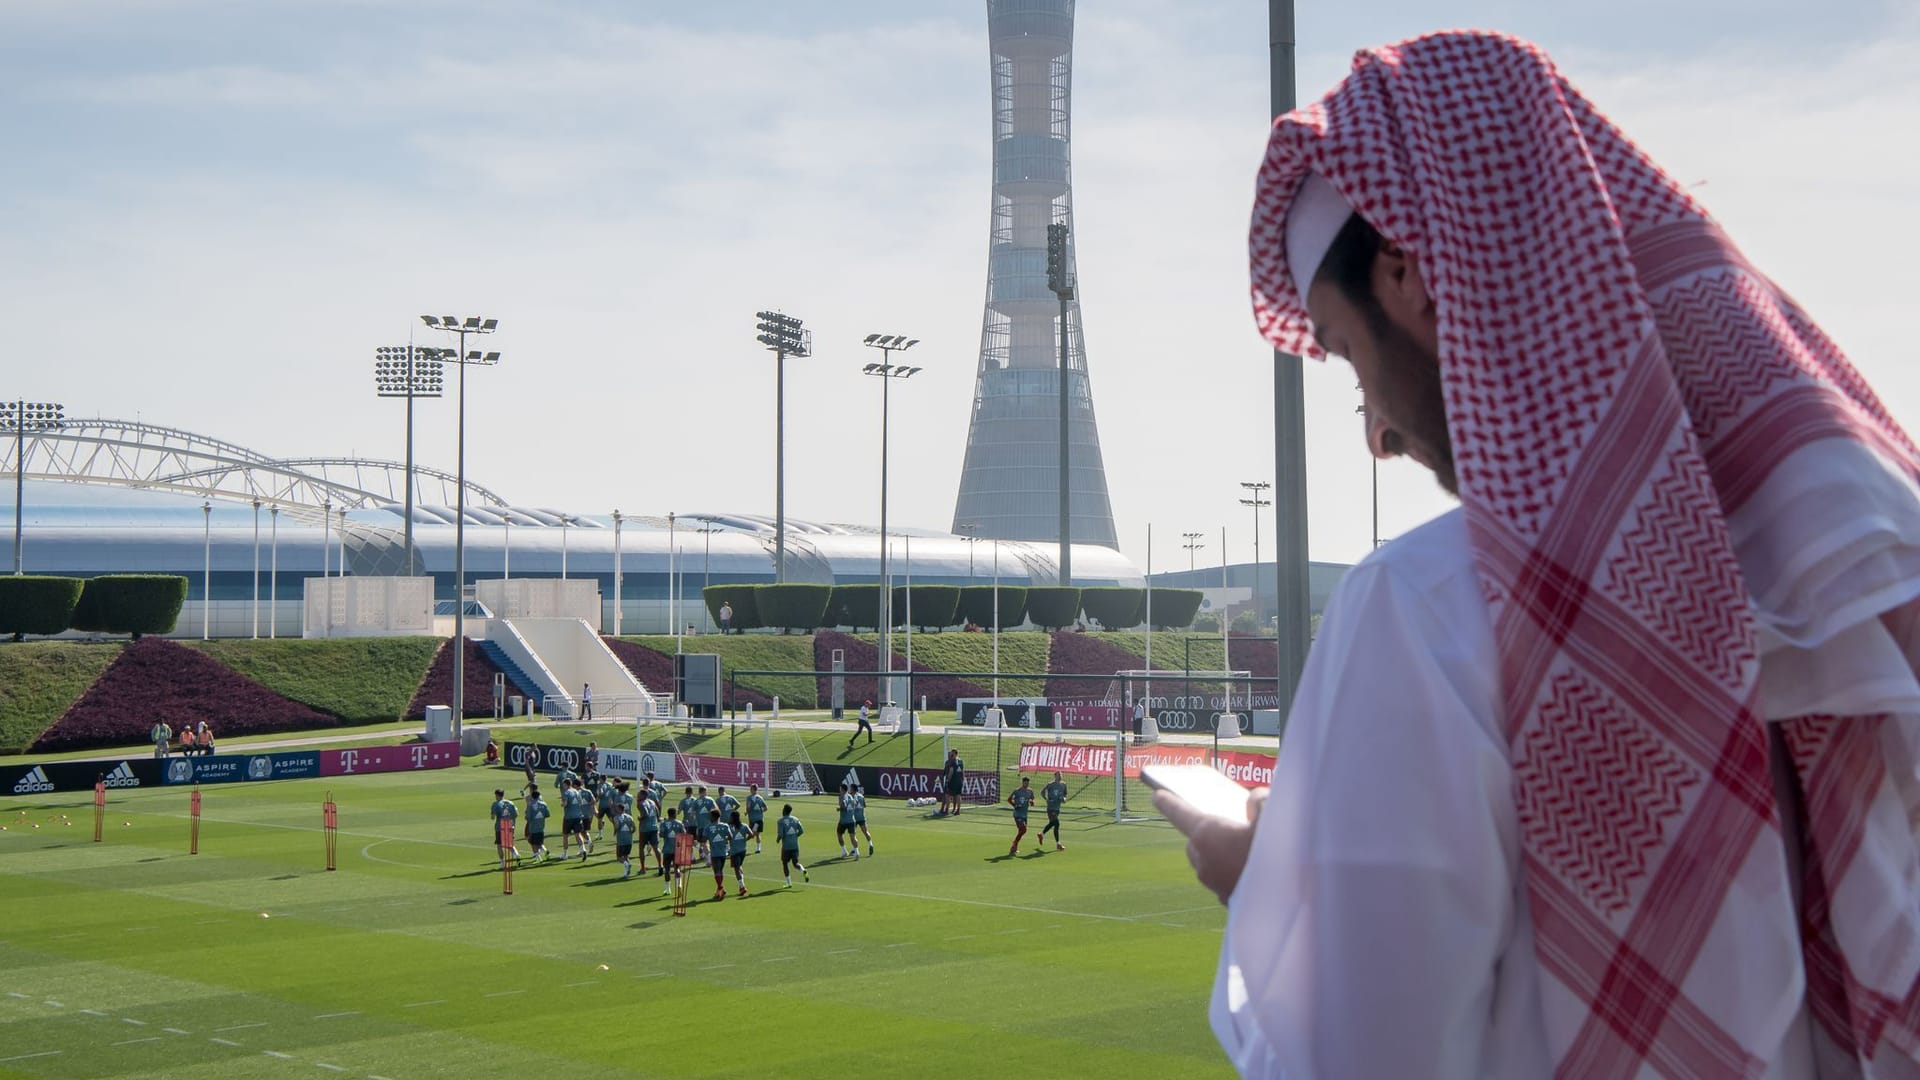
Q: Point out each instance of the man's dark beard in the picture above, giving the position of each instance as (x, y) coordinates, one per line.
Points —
(1409, 392)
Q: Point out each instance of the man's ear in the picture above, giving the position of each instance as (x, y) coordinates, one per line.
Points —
(1401, 291)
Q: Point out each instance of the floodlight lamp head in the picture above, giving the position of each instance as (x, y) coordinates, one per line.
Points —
(472, 323)
(431, 320)
(911, 344)
(871, 338)
(910, 372)
(488, 326)
(475, 356)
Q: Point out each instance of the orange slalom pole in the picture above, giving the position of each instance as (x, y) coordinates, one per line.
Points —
(193, 847)
(99, 808)
(506, 865)
(330, 823)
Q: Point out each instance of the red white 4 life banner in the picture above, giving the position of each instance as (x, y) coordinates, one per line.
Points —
(1080, 759)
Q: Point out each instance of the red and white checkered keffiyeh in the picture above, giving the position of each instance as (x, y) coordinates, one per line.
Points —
(1619, 382)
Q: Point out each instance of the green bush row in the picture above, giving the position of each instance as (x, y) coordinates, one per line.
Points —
(807, 607)
(133, 604)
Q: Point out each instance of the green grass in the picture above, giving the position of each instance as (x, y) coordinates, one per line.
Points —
(1170, 650)
(937, 956)
(40, 681)
(360, 680)
(754, 652)
(954, 650)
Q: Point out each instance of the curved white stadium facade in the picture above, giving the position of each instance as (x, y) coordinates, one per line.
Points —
(111, 497)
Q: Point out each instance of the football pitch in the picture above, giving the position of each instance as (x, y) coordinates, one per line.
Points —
(939, 956)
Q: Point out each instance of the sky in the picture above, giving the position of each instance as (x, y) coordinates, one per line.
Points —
(213, 211)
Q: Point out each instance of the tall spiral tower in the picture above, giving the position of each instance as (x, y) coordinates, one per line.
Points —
(1009, 486)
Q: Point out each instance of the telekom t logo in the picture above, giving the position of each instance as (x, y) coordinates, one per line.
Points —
(419, 756)
(347, 758)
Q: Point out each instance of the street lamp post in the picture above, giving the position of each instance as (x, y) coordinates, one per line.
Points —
(1060, 283)
(256, 568)
(887, 371)
(461, 328)
(273, 580)
(564, 522)
(1257, 488)
(506, 545)
(206, 578)
(966, 530)
(326, 539)
(616, 573)
(673, 605)
(706, 579)
(22, 417)
(996, 622)
(784, 335)
(404, 371)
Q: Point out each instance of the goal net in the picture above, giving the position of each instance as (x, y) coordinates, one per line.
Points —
(1097, 768)
(728, 753)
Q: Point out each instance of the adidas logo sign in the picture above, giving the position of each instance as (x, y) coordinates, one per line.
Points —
(122, 776)
(33, 783)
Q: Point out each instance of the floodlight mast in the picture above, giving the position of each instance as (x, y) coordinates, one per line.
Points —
(1258, 490)
(1060, 283)
(460, 328)
(784, 335)
(886, 371)
(22, 417)
(410, 372)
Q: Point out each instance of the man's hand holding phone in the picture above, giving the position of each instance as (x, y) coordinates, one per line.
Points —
(1216, 815)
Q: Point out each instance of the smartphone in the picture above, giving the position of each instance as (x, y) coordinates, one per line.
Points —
(1203, 787)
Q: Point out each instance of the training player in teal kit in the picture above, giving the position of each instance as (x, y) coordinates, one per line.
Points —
(789, 828)
(860, 819)
(843, 833)
(503, 810)
(649, 828)
(537, 814)
(623, 829)
(1055, 794)
(671, 830)
(737, 851)
(756, 814)
(1021, 800)
(719, 841)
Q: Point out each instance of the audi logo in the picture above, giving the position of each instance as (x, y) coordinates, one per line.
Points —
(558, 757)
(1177, 720)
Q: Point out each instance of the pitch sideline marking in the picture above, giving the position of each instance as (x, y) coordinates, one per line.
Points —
(224, 1042)
(27, 1057)
(240, 1027)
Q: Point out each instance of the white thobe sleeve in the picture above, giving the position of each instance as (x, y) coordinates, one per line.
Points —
(1364, 935)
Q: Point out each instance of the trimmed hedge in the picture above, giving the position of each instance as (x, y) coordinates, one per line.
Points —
(133, 604)
(37, 605)
(791, 606)
(1053, 606)
(976, 605)
(1114, 608)
(1175, 608)
(746, 611)
(934, 606)
(855, 606)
